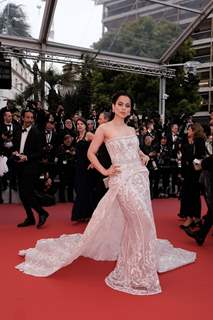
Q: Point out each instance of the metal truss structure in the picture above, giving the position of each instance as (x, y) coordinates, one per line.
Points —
(154, 70)
(54, 52)
(44, 50)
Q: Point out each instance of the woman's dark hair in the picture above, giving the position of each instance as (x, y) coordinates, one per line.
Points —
(198, 130)
(27, 110)
(115, 98)
(67, 136)
(84, 121)
(122, 93)
(107, 114)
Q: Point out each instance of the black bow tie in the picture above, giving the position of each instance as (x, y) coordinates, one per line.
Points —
(24, 130)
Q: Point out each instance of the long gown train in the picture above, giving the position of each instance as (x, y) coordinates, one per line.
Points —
(121, 229)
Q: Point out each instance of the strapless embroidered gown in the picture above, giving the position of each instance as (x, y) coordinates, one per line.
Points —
(121, 229)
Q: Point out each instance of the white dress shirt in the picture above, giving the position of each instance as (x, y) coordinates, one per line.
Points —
(9, 127)
(23, 139)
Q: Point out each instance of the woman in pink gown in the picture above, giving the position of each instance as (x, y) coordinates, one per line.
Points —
(122, 228)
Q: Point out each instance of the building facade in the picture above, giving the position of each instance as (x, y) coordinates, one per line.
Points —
(203, 45)
(22, 76)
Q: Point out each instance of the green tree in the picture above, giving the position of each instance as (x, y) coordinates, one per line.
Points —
(13, 21)
(183, 92)
(145, 38)
(144, 89)
(25, 95)
(69, 81)
(36, 83)
(148, 38)
(103, 82)
(84, 90)
(53, 78)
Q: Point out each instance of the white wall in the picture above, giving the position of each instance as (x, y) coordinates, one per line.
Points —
(21, 78)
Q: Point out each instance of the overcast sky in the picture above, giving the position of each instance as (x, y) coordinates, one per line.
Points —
(76, 22)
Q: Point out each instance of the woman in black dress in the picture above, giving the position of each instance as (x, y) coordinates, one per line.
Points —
(83, 204)
(193, 147)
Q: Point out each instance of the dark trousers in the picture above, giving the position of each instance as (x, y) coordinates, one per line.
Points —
(154, 182)
(207, 182)
(190, 201)
(66, 185)
(26, 187)
(175, 179)
(164, 174)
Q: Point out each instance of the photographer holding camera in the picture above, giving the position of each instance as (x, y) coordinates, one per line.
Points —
(174, 143)
(151, 150)
(26, 160)
(164, 156)
(8, 130)
(50, 146)
(66, 168)
(206, 180)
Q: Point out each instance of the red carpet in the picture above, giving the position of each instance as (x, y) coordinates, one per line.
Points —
(78, 291)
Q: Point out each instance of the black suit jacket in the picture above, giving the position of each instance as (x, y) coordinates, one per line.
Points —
(3, 127)
(50, 148)
(32, 149)
(174, 145)
(207, 163)
(3, 130)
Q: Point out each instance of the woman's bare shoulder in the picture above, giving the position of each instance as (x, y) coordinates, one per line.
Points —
(106, 129)
(105, 126)
(131, 130)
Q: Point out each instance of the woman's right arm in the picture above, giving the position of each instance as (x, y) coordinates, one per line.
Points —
(97, 141)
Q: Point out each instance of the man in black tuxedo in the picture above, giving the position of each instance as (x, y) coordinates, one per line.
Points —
(26, 157)
(207, 181)
(50, 147)
(8, 130)
(174, 143)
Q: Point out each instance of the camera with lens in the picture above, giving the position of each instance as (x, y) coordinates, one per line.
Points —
(7, 137)
(8, 134)
(47, 151)
(179, 161)
(163, 156)
(47, 148)
(15, 158)
(179, 164)
(154, 165)
(153, 160)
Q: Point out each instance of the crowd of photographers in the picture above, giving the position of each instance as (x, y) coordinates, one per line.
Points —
(167, 147)
(162, 142)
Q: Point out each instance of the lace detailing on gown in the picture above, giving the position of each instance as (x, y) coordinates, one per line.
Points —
(122, 228)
